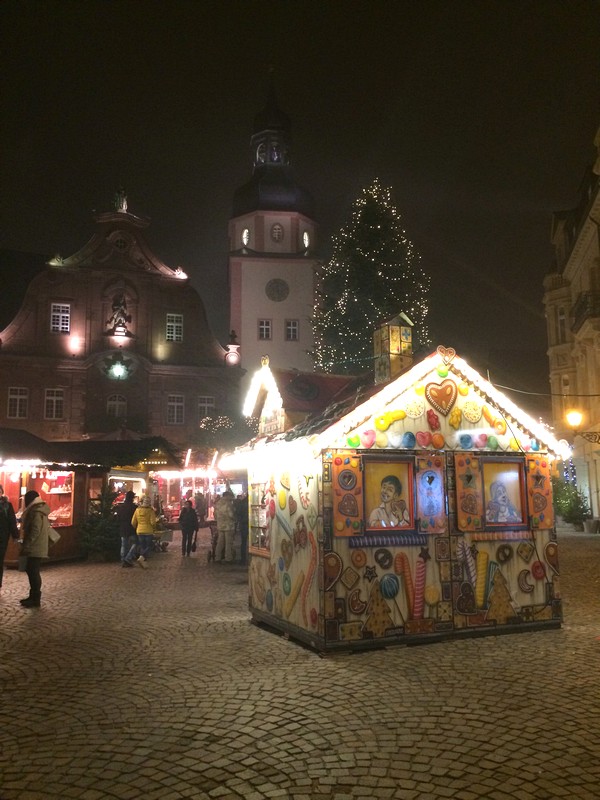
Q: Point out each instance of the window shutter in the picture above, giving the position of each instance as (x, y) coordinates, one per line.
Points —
(469, 492)
(539, 493)
(431, 497)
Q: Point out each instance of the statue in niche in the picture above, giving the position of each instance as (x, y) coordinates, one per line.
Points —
(120, 200)
(119, 319)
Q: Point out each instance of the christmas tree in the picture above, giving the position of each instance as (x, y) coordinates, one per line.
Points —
(373, 275)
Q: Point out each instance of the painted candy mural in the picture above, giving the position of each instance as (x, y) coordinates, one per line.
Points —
(425, 511)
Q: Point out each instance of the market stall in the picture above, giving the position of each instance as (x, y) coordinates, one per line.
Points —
(423, 512)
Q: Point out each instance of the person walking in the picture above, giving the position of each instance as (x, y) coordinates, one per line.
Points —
(144, 523)
(8, 528)
(242, 524)
(125, 512)
(201, 509)
(225, 517)
(188, 520)
(34, 531)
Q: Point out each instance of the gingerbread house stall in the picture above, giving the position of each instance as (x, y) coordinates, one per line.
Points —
(421, 511)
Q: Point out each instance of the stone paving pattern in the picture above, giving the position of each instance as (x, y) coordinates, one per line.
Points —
(154, 684)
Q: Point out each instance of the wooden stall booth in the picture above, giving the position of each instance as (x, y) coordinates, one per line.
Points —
(423, 511)
(69, 476)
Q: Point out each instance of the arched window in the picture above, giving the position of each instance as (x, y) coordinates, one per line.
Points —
(116, 405)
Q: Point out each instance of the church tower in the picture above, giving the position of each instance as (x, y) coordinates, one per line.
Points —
(271, 252)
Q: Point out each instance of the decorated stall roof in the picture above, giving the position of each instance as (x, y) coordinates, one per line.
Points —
(21, 445)
(441, 403)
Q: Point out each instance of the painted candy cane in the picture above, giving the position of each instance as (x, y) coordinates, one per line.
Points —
(482, 564)
(304, 496)
(402, 567)
(465, 555)
(419, 605)
(312, 566)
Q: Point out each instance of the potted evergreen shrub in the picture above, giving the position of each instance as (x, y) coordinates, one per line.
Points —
(99, 532)
(571, 504)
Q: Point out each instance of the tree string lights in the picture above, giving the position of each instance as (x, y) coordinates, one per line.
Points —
(374, 274)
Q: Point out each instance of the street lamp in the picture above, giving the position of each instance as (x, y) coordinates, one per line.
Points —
(574, 419)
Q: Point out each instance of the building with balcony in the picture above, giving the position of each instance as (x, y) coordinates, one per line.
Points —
(572, 303)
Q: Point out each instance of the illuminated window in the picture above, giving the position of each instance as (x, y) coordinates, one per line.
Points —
(277, 232)
(54, 404)
(18, 402)
(264, 329)
(175, 409)
(292, 330)
(60, 318)
(206, 406)
(174, 328)
(116, 405)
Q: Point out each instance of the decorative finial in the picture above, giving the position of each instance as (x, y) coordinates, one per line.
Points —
(121, 200)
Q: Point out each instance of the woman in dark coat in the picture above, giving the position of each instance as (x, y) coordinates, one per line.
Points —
(8, 528)
(188, 520)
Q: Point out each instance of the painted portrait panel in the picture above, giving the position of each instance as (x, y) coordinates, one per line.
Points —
(503, 486)
(389, 495)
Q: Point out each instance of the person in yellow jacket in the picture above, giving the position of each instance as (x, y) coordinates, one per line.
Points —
(144, 522)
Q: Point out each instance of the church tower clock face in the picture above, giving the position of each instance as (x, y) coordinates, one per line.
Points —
(277, 290)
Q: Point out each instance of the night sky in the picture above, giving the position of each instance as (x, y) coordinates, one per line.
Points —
(480, 116)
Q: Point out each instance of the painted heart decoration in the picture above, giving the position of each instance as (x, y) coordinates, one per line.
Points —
(424, 438)
(447, 353)
(441, 396)
(367, 438)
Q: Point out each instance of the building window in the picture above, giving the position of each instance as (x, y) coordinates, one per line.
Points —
(206, 406)
(292, 330)
(18, 401)
(116, 405)
(174, 327)
(561, 326)
(54, 404)
(175, 409)
(264, 329)
(60, 318)
(277, 232)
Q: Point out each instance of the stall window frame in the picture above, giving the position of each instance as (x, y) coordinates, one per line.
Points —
(516, 465)
(405, 471)
(259, 514)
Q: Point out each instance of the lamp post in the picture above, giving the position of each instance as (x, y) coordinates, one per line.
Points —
(587, 480)
(574, 419)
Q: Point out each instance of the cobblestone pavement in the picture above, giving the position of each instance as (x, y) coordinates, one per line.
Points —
(153, 684)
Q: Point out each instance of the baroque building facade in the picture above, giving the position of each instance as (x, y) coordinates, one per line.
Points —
(111, 341)
(272, 263)
(572, 303)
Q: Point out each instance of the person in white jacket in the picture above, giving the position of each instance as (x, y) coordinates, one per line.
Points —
(34, 531)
